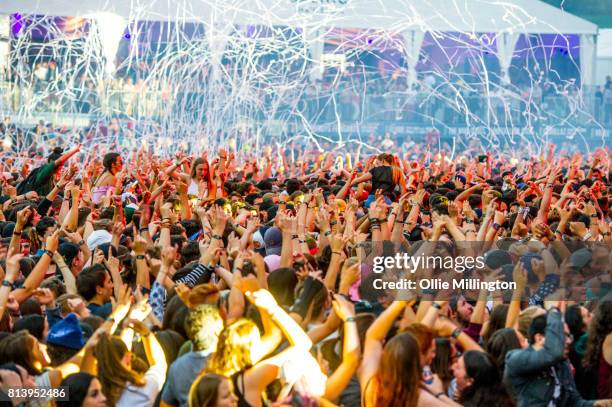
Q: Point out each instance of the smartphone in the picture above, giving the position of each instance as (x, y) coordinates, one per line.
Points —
(482, 158)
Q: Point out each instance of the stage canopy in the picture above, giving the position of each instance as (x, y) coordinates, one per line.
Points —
(506, 20)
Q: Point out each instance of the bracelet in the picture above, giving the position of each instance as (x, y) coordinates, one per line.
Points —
(333, 223)
(6, 283)
(383, 220)
(327, 234)
(338, 253)
(362, 244)
(496, 226)
(48, 253)
(456, 333)
(436, 306)
(140, 257)
(217, 237)
(350, 319)
(81, 243)
(294, 237)
(16, 233)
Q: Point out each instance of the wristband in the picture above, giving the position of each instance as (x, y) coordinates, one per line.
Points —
(294, 237)
(111, 319)
(81, 243)
(217, 237)
(436, 306)
(16, 233)
(350, 319)
(456, 333)
(48, 253)
(140, 257)
(469, 221)
(6, 283)
(327, 234)
(338, 253)
(496, 226)
(438, 395)
(301, 241)
(333, 223)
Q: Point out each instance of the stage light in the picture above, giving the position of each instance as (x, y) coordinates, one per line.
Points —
(7, 143)
(110, 29)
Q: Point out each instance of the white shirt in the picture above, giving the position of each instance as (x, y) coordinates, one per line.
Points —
(135, 396)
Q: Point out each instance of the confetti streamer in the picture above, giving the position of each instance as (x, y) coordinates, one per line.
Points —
(188, 75)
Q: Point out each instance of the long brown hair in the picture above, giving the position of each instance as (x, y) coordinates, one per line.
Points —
(112, 373)
(194, 166)
(205, 390)
(17, 348)
(399, 373)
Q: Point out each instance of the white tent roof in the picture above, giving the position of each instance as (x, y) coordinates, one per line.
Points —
(524, 16)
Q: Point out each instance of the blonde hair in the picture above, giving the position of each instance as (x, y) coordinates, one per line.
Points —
(233, 352)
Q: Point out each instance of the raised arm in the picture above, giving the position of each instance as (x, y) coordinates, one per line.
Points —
(341, 377)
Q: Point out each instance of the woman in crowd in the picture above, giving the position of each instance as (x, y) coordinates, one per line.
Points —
(391, 373)
(479, 382)
(107, 182)
(598, 358)
(200, 180)
(212, 390)
(84, 390)
(121, 385)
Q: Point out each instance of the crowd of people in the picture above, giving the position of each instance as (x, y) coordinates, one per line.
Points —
(229, 279)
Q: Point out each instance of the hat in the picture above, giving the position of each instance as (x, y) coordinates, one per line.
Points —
(497, 258)
(67, 333)
(98, 237)
(257, 237)
(273, 239)
(581, 258)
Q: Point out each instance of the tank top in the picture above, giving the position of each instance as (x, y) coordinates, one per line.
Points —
(382, 178)
(238, 381)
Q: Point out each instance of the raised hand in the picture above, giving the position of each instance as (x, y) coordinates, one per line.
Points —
(343, 307)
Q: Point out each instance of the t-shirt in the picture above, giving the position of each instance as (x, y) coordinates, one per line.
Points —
(181, 375)
(102, 311)
(44, 179)
(135, 396)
